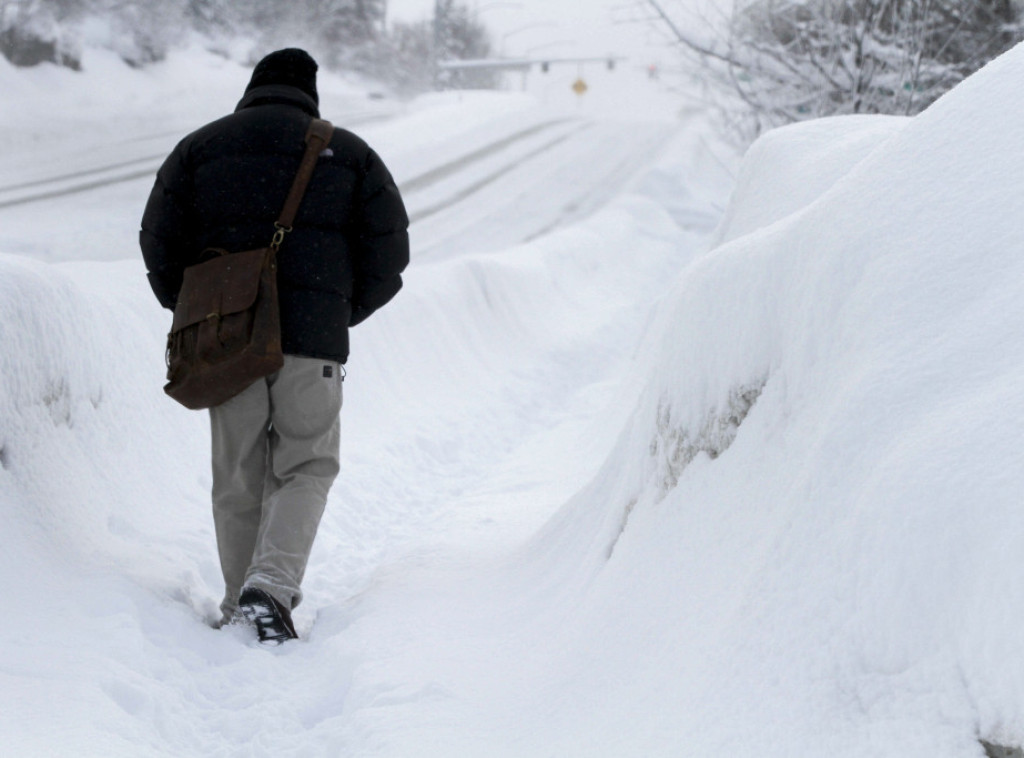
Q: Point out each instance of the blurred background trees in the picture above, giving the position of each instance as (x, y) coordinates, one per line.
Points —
(772, 62)
(412, 49)
(341, 34)
(32, 32)
(459, 35)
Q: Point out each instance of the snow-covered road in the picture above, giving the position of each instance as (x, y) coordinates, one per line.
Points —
(46, 173)
(508, 181)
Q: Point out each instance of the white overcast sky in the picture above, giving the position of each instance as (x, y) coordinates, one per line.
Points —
(567, 28)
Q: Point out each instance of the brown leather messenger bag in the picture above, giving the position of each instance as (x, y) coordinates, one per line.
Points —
(226, 332)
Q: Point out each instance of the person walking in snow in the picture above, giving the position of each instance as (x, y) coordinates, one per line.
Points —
(275, 445)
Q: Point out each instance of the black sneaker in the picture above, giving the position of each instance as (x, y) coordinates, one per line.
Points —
(272, 620)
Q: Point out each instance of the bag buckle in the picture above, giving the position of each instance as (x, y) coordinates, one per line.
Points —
(279, 235)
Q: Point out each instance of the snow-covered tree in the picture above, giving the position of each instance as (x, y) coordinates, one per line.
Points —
(33, 31)
(788, 60)
(341, 34)
(459, 36)
(37, 31)
(407, 58)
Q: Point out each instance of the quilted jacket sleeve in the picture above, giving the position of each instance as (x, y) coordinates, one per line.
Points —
(166, 234)
(382, 249)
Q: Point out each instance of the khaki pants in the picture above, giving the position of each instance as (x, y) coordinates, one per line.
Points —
(275, 456)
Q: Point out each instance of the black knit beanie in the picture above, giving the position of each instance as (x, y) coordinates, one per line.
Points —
(290, 66)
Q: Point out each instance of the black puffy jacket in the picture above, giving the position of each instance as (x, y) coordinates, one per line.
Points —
(224, 185)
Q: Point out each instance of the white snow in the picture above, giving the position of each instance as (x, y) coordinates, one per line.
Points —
(605, 491)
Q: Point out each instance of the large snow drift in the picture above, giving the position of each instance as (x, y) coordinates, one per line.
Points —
(808, 540)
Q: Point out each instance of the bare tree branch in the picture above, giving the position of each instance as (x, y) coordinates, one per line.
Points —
(777, 61)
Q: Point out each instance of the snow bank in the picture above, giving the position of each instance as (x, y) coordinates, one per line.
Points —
(808, 539)
(790, 167)
(90, 450)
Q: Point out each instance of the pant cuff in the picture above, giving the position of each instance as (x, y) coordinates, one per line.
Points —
(285, 596)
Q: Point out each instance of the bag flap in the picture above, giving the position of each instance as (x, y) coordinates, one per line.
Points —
(223, 285)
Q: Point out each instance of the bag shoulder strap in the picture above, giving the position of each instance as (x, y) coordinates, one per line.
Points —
(318, 136)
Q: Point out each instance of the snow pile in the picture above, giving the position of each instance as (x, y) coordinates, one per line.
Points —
(111, 100)
(789, 168)
(808, 540)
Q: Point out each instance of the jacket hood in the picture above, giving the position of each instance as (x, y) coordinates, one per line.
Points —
(279, 93)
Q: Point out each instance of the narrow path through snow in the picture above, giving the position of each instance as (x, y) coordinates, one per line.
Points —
(476, 404)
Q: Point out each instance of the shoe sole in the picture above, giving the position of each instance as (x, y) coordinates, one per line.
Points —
(270, 627)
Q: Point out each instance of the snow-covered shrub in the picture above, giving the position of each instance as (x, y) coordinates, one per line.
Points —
(32, 33)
